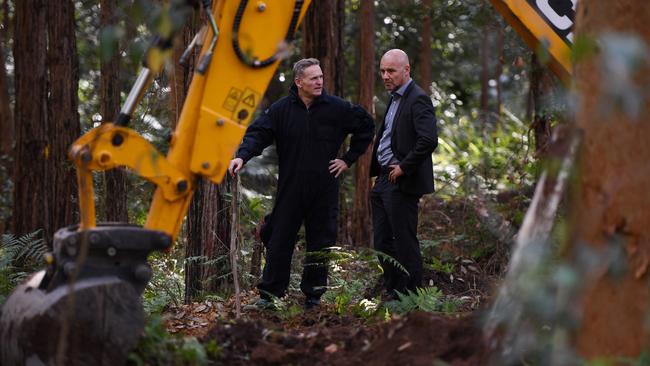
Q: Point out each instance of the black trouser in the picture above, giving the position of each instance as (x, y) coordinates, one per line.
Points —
(395, 221)
(316, 204)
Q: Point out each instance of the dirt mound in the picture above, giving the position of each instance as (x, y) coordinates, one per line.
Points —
(416, 339)
(420, 338)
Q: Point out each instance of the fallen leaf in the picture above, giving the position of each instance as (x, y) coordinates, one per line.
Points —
(201, 308)
(404, 346)
(331, 348)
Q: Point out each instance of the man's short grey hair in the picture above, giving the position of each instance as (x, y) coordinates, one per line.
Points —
(300, 66)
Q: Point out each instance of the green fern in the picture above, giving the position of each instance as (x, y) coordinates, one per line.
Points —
(158, 347)
(428, 299)
(19, 256)
(390, 260)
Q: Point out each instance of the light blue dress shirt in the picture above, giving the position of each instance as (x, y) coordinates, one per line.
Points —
(385, 154)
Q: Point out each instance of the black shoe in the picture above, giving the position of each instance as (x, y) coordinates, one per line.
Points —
(312, 303)
(261, 304)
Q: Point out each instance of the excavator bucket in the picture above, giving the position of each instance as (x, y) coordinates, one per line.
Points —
(85, 308)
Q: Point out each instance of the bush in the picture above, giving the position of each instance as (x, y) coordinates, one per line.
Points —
(19, 256)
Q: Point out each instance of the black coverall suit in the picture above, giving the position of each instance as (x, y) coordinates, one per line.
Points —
(306, 141)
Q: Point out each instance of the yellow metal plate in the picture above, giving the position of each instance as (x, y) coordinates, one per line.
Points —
(233, 89)
(541, 23)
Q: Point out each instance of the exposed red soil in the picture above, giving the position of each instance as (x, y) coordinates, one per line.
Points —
(416, 339)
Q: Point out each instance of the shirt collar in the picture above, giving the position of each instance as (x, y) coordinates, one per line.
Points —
(400, 91)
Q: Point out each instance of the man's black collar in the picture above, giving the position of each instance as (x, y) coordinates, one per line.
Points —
(322, 98)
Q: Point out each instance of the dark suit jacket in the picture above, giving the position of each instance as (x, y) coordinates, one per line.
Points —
(413, 139)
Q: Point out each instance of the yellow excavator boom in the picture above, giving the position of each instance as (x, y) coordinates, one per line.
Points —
(546, 26)
(236, 67)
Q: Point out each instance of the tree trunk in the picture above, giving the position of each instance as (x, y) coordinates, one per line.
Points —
(6, 115)
(208, 239)
(425, 47)
(180, 75)
(541, 85)
(63, 122)
(179, 82)
(485, 75)
(115, 180)
(208, 220)
(499, 66)
(610, 208)
(323, 39)
(31, 178)
(361, 230)
(6, 146)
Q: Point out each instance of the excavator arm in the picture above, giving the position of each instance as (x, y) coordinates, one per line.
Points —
(546, 26)
(86, 307)
(236, 65)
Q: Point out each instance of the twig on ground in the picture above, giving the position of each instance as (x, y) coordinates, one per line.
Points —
(234, 223)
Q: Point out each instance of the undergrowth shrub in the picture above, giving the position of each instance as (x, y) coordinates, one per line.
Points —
(158, 347)
(19, 256)
(428, 299)
(167, 285)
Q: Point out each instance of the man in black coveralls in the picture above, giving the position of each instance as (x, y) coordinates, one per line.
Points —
(308, 127)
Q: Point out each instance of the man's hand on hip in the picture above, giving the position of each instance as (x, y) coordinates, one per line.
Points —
(235, 165)
(395, 172)
(338, 166)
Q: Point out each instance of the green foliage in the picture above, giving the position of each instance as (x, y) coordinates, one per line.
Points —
(583, 48)
(158, 347)
(283, 307)
(366, 308)
(428, 299)
(642, 360)
(390, 260)
(167, 284)
(341, 302)
(470, 157)
(350, 273)
(19, 256)
(440, 266)
(428, 244)
(481, 251)
(6, 189)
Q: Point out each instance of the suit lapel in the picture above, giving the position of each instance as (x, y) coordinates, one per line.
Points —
(402, 102)
(396, 119)
(383, 121)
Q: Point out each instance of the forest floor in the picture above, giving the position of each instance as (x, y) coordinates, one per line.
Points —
(466, 245)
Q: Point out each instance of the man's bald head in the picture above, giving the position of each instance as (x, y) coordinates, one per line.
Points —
(395, 69)
(398, 56)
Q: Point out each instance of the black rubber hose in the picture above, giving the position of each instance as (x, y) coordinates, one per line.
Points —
(255, 62)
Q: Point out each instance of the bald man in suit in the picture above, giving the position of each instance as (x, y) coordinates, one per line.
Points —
(401, 161)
